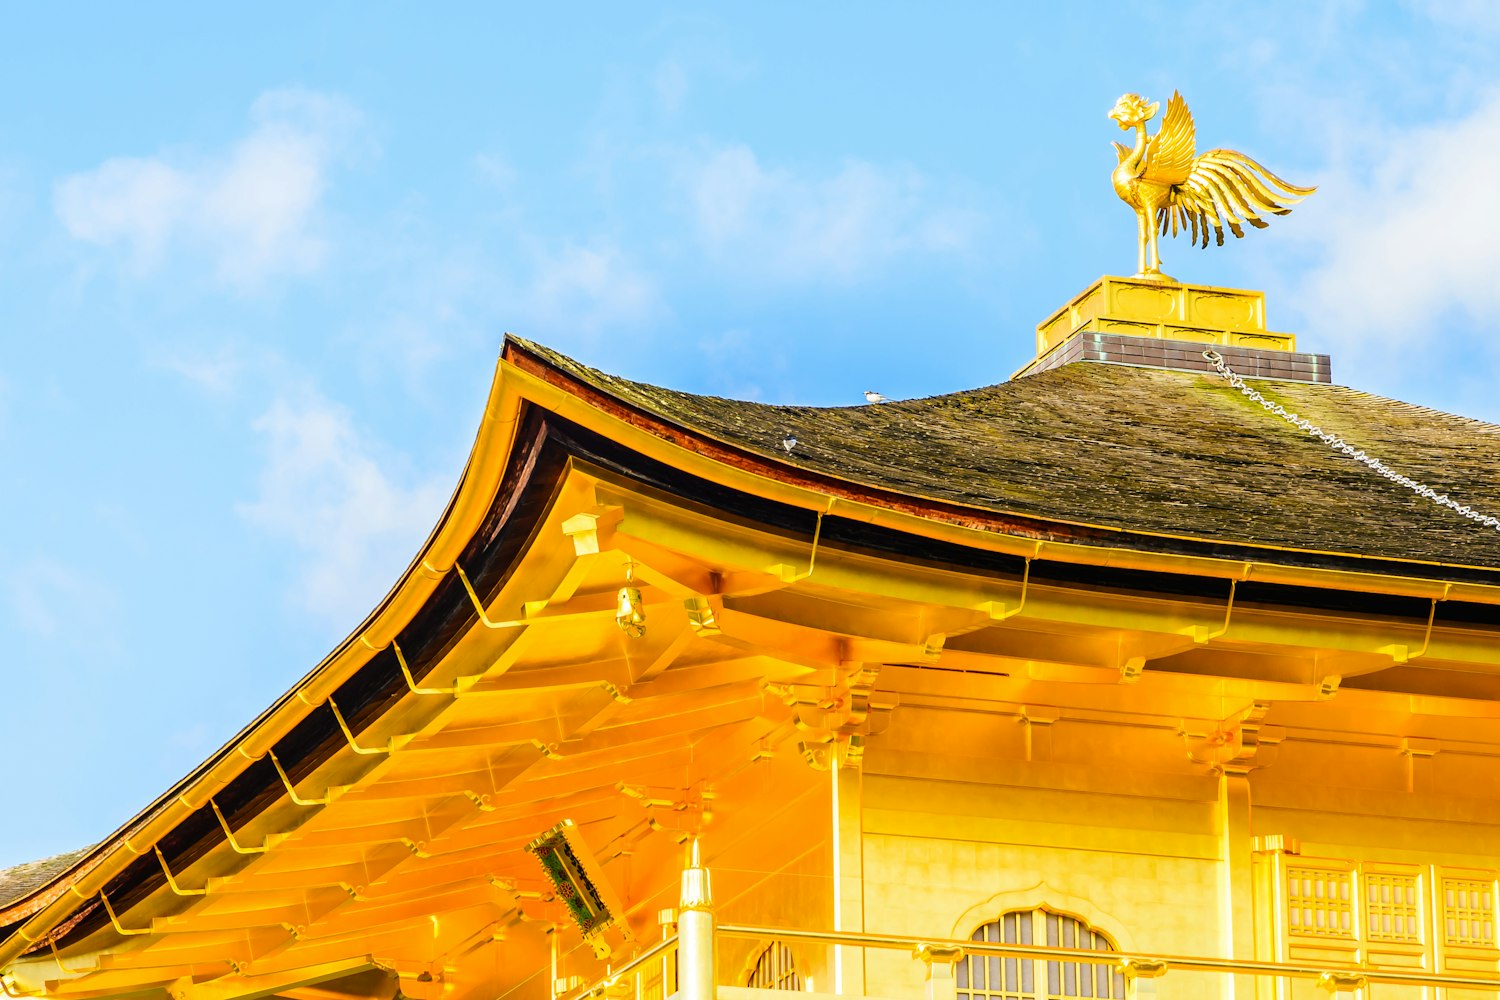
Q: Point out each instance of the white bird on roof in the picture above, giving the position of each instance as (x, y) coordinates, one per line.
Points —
(789, 442)
(871, 396)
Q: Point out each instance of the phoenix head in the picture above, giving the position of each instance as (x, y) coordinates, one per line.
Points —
(1132, 110)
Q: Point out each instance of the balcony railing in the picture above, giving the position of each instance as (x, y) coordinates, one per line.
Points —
(694, 945)
(637, 978)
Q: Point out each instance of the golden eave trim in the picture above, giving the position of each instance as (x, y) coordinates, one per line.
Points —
(470, 503)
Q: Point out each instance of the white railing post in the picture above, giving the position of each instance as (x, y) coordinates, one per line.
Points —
(695, 932)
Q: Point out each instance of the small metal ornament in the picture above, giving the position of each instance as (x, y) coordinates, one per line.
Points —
(630, 610)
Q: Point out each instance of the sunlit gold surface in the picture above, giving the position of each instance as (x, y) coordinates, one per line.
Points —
(866, 745)
(1141, 307)
(1171, 189)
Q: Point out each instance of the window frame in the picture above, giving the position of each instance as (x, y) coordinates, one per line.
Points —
(988, 977)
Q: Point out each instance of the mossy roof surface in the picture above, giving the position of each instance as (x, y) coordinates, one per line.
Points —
(1138, 449)
(19, 882)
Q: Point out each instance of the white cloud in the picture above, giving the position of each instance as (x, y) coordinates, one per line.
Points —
(1467, 15)
(1408, 242)
(218, 374)
(586, 289)
(15, 201)
(844, 225)
(47, 598)
(497, 169)
(252, 209)
(133, 201)
(732, 355)
(671, 85)
(325, 489)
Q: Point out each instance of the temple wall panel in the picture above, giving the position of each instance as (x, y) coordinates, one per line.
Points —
(943, 855)
(969, 815)
(777, 870)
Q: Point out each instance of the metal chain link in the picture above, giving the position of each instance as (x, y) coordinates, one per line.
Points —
(1340, 445)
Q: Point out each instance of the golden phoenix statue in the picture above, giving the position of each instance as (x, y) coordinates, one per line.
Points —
(1170, 188)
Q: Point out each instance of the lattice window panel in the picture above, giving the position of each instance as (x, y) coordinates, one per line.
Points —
(983, 977)
(1077, 979)
(659, 979)
(775, 969)
(1319, 903)
(1469, 912)
(1393, 908)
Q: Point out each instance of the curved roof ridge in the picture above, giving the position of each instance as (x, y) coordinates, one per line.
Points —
(1155, 451)
(569, 363)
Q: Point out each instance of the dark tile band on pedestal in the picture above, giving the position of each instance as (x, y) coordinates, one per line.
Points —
(1184, 355)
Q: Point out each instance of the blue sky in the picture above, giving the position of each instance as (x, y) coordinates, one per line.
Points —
(255, 268)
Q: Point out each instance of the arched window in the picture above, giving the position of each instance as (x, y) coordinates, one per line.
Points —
(774, 969)
(984, 977)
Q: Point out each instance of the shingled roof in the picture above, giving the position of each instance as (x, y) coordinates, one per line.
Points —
(1148, 451)
(20, 881)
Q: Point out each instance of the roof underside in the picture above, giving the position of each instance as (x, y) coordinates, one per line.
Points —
(1140, 450)
(1146, 457)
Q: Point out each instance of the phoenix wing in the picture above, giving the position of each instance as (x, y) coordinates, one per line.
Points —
(1169, 155)
(1226, 188)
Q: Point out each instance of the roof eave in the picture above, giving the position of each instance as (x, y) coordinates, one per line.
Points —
(36, 915)
(525, 376)
(1018, 534)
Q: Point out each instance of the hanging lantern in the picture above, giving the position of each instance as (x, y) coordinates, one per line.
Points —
(630, 610)
(579, 884)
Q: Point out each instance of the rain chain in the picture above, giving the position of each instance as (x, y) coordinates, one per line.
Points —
(1340, 445)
